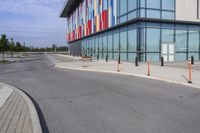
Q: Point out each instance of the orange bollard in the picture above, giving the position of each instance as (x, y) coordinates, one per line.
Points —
(149, 71)
(190, 72)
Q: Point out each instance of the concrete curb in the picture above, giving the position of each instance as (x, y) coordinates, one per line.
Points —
(33, 112)
(131, 74)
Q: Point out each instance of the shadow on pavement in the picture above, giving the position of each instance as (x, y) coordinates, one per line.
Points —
(40, 114)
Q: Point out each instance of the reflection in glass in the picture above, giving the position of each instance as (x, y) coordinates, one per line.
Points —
(153, 39)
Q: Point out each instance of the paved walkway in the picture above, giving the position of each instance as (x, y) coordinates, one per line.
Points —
(15, 115)
(171, 73)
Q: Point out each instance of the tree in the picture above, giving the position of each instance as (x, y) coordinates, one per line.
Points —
(3, 44)
(18, 47)
(12, 47)
(54, 47)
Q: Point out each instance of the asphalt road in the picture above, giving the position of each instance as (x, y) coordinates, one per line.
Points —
(88, 102)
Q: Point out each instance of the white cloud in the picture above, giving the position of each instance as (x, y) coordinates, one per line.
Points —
(32, 19)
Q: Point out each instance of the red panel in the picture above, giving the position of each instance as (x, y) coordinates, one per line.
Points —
(80, 32)
(69, 38)
(95, 19)
(105, 19)
(89, 27)
(102, 20)
(73, 36)
(100, 25)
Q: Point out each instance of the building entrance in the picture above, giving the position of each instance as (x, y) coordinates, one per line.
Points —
(168, 51)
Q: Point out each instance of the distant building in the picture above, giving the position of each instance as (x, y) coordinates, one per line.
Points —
(148, 29)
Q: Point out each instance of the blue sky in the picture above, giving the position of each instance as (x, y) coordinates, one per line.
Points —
(35, 22)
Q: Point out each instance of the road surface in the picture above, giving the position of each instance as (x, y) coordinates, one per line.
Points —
(88, 102)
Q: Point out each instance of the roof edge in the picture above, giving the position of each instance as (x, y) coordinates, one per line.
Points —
(69, 7)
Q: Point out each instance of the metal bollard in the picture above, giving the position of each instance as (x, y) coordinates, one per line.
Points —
(149, 71)
(136, 61)
(119, 60)
(192, 60)
(106, 58)
(97, 56)
(190, 73)
(162, 61)
(118, 63)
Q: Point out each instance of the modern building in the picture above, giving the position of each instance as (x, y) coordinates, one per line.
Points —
(148, 29)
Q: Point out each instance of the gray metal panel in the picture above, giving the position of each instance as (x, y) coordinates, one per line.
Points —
(69, 7)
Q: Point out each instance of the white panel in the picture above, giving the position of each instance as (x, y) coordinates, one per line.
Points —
(186, 10)
(165, 58)
(171, 58)
(164, 49)
(171, 48)
(199, 10)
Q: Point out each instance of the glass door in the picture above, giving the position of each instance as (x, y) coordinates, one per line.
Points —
(168, 52)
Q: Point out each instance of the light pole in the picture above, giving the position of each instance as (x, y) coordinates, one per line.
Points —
(24, 49)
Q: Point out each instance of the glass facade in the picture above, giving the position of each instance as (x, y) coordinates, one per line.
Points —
(105, 32)
(124, 42)
(92, 16)
(159, 9)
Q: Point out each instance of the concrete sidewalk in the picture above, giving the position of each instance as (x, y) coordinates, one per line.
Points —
(168, 73)
(17, 112)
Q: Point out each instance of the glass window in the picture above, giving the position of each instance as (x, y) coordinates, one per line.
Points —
(153, 57)
(90, 46)
(181, 40)
(116, 42)
(153, 14)
(123, 19)
(193, 40)
(132, 4)
(123, 6)
(93, 45)
(83, 47)
(110, 44)
(132, 15)
(132, 40)
(116, 56)
(123, 56)
(153, 4)
(195, 55)
(100, 44)
(87, 41)
(105, 44)
(123, 41)
(167, 35)
(142, 3)
(153, 39)
(142, 13)
(110, 56)
(168, 4)
(168, 15)
(131, 57)
(143, 40)
(97, 44)
(180, 56)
